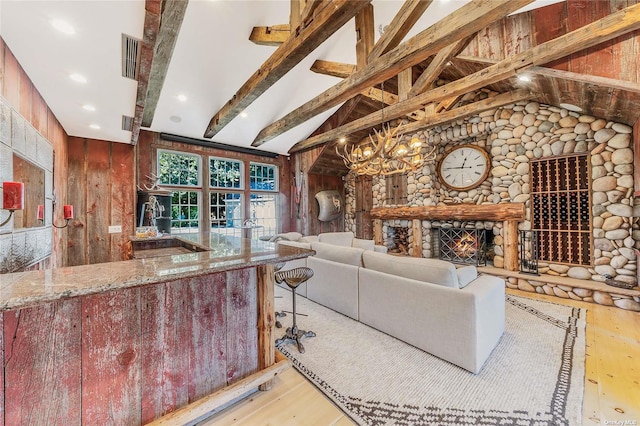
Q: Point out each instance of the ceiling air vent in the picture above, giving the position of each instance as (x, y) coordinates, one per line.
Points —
(130, 57)
(127, 123)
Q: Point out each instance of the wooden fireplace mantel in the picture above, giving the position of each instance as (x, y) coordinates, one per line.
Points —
(493, 212)
(509, 213)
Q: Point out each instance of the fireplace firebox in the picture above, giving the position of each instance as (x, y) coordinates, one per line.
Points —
(463, 245)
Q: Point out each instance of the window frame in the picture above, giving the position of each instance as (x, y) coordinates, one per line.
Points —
(241, 179)
(276, 177)
(185, 154)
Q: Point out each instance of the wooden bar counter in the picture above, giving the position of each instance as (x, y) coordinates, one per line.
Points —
(126, 343)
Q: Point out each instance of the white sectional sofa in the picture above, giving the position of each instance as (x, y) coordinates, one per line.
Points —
(449, 312)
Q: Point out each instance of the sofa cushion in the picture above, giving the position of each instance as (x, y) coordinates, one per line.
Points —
(309, 239)
(294, 244)
(335, 253)
(363, 244)
(290, 236)
(427, 270)
(337, 238)
(466, 274)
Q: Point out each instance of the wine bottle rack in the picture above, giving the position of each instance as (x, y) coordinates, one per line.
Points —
(561, 208)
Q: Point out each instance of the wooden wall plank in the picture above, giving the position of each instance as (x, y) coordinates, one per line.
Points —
(39, 112)
(76, 231)
(11, 86)
(111, 358)
(2, 327)
(25, 95)
(165, 333)
(518, 37)
(207, 354)
(123, 196)
(42, 364)
(98, 204)
(2, 47)
(242, 322)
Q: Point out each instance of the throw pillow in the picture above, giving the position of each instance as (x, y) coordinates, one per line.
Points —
(334, 253)
(466, 274)
(363, 244)
(338, 238)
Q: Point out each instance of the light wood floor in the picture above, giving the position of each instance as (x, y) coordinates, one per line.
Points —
(612, 382)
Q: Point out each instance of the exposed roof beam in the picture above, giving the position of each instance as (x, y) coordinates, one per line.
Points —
(403, 21)
(334, 69)
(326, 22)
(433, 71)
(462, 23)
(431, 120)
(365, 36)
(338, 69)
(273, 35)
(163, 20)
(613, 83)
(607, 28)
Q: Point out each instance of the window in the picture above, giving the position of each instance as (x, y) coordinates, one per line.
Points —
(561, 212)
(263, 204)
(185, 211)
(178, 169)
(225, 173)
(263, 177)
(226, 209)
(182, 170)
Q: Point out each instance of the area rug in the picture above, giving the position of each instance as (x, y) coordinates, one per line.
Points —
(535, 376)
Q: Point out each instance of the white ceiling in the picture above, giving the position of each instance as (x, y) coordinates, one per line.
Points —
(213, 57)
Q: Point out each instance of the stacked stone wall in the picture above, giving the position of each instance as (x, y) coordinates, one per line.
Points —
(514, 135)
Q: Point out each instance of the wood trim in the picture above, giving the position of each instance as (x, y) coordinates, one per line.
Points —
(495, 212)
(201, 407)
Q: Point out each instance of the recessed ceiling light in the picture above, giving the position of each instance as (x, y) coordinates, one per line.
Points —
(88, 107)
(63, 26)
(94, 126)
(571, 107)
(524, 78)
(182, 98)
(243, 114)
(79, 78)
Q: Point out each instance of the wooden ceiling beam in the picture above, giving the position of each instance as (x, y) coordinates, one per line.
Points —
(399, 27)
(433, 71)
(613, 83)
(365, 36)
(162, 23)
(604, 29)
(431, 120)
(303, 41)
(462, 23)
(334, 69)
(273, 35)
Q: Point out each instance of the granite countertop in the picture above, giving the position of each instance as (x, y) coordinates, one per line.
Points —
(23, 289)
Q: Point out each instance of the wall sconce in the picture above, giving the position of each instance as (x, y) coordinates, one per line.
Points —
(67, 211)
(12, 198)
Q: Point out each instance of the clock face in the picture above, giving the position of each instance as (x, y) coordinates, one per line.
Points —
(464, 167)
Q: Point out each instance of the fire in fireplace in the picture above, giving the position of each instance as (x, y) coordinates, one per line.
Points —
(463, 245)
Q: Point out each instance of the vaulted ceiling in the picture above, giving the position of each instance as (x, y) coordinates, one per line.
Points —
(285, 76)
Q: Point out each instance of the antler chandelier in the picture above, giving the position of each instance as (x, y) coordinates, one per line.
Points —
(385, 154)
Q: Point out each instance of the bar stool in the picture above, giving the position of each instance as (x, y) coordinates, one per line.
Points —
(280, 314)
(293, 278)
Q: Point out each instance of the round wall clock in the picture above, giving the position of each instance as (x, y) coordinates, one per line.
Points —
(464, 167)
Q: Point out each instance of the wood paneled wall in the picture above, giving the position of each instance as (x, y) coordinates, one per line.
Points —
(514, 34)
(305, 211)
(150, 142)
(18, 89)
(101, 187)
